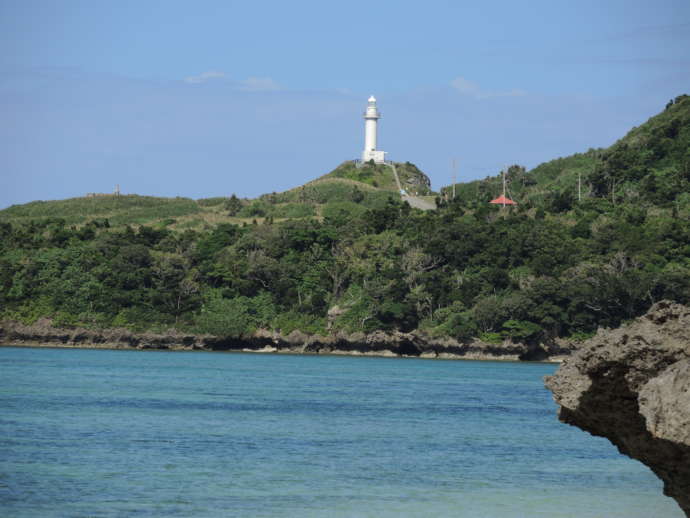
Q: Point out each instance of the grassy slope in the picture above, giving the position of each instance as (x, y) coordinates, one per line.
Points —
(118, 210)
(346, 188)
(561, 173)
(370, 178)
(660, 143)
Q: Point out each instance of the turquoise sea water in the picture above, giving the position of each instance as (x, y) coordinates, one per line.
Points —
(133, 433)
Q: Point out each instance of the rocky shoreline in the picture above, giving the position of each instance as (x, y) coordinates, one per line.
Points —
(377, 343)
(632, 386)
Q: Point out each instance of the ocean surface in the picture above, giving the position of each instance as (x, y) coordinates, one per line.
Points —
(147, 433)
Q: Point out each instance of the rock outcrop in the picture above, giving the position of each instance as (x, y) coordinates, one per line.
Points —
(632, 386)
(376, 343)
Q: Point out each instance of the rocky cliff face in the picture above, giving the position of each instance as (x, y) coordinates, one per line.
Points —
(377, 343)
(632, 386)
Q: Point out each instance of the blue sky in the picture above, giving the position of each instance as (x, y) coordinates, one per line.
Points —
(209, 98)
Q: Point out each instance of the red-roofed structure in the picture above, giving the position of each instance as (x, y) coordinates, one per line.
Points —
(502, 200)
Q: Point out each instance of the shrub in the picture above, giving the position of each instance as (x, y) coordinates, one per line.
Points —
(294, 210)
(237, 316)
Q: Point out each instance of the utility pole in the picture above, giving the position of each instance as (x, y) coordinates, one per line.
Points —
(503, 172)
(454, 178)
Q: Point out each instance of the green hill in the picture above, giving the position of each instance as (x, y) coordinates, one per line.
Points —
(347, 189)
(344, 253)
(118, 210)
(379, 176)
(651, 164)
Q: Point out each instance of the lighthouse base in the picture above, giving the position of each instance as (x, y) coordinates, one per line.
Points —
(379, 157)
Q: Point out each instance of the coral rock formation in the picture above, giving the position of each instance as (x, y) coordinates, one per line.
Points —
(632, 386)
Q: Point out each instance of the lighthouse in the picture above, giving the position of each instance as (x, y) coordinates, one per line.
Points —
(371, 117)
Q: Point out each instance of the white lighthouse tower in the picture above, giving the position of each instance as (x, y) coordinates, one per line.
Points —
(371, 117)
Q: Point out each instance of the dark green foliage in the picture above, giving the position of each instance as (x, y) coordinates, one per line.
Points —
(498, 274)
(222, 236)
(342, 213)
(293, 210)
(652, 161)
(651, 164)
(337, 255)
(236, 316)
(233, 205)
(257, 208)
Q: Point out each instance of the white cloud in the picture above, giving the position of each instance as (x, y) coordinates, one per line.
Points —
(259, 84)
(251, 84)
(472, 89)
(465, 86)
(203, 77)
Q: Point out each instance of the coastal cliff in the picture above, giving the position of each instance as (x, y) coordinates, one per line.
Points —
(632, 386)
(377, 343)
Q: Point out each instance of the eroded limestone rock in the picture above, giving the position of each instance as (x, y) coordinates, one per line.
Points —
(632, 386)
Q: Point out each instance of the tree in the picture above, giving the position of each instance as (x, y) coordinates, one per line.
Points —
(233, 205)
(175, 284)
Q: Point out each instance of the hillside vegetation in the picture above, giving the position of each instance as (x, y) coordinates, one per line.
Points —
(343, 254)
(118, 210)
(348, 189)
(650, 165)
